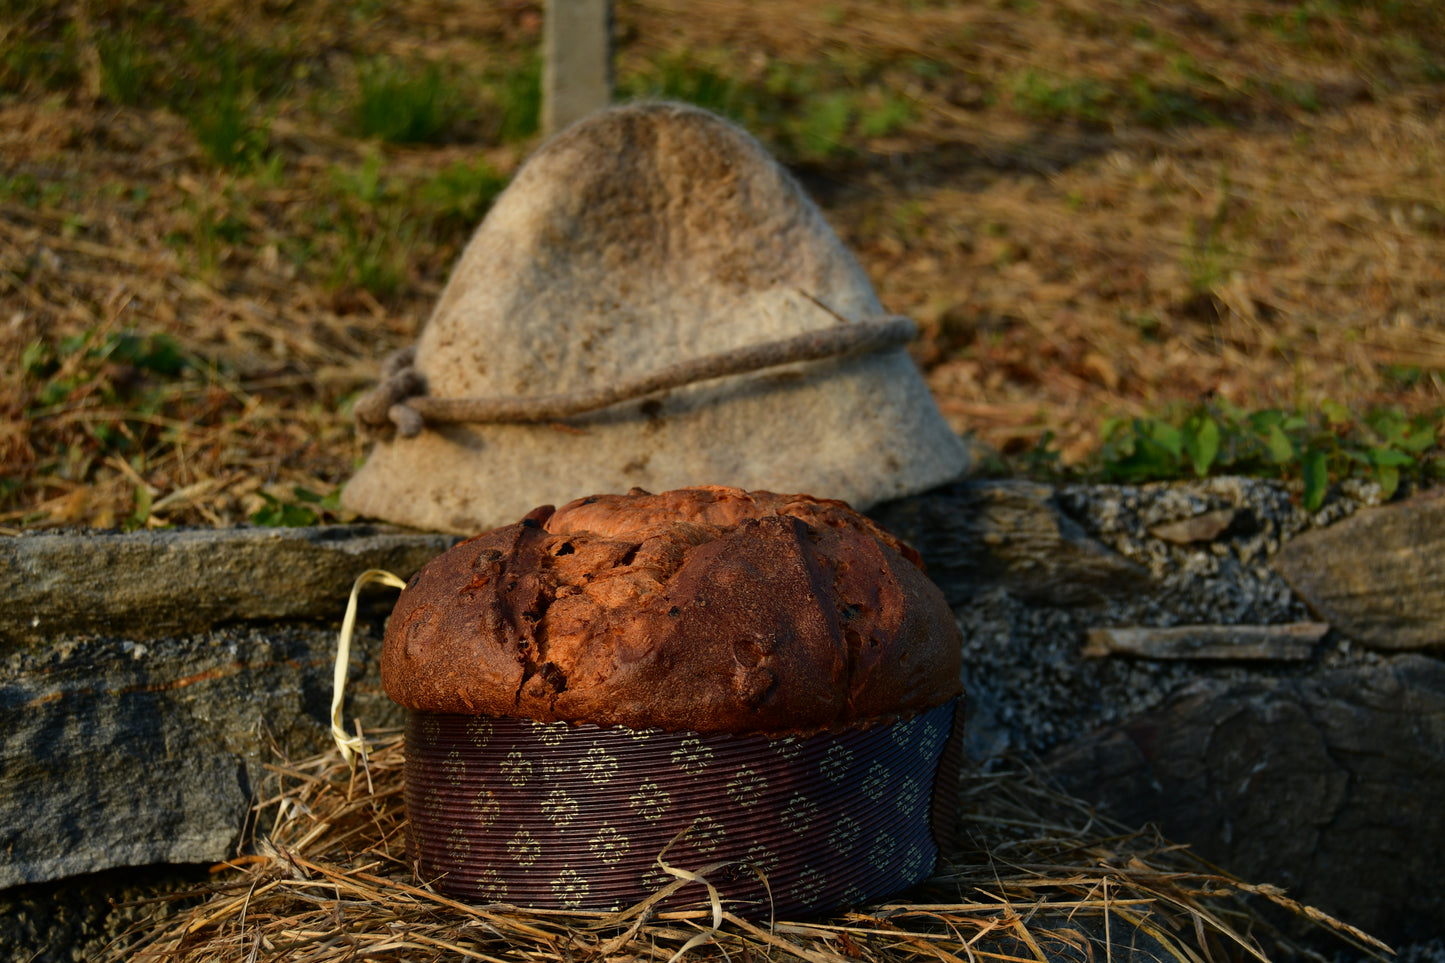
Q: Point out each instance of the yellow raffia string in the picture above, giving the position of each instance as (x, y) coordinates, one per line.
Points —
(698, 877)
(349, 744)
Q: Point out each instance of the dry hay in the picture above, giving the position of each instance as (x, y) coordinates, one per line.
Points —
(1042, 877)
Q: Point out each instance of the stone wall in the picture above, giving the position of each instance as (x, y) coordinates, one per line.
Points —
(1263, 683)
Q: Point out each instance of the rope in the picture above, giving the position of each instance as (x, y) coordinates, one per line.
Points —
(399, 401)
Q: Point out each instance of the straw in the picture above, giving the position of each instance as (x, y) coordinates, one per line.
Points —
(1041, 875)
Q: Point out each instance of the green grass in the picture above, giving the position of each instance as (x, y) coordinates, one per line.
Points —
(1209, 259)
(459, 195)
(405, 103)
(369, 231)
(804, 112)
(125, 69)
(687, 77)
(519, 97)
(1080, 99)
(222, 116)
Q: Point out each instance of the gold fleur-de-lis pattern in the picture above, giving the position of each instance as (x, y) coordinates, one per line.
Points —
(747, 787)
(570, 888)
(598, 766)
(650, 801)
(706, 834)
(560, 807)
(693, 756)
(575, 816)
(610, 845)
(516, 769)
(550, 734)
(524, 849)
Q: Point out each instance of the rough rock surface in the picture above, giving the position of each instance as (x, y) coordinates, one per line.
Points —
(126, 740)
(146, 585)
(1379, 577)
(1327, 784)
(999, 547)
(78, 918)
(1313, 773)
(645, 236)
(1010, 534)
(125, 753)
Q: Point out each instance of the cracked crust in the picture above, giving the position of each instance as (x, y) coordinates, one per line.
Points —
(704, 609)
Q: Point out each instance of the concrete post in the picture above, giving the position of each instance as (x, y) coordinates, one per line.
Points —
(576, 61)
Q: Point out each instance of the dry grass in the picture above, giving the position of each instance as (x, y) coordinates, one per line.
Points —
(1040, 877)
(1094, 207)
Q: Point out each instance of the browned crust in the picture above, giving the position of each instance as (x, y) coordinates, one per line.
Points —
(708, 609)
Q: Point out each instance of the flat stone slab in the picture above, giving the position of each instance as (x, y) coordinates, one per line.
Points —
(1379, 576)
(125, 753)
(151, 584)
(145, 678)
(978, 535)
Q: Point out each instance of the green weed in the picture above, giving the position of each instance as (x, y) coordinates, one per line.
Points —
(375, 251)
(307, 509)
(885, 114)
(1166, 106)
(214, 231)
(1383, 445)
(519, 94)
(822, 130)
(1083, 100)
(125, 69)
(220, 117)
(405, 104)
(24, 188)
(462, 193)
(1208, 260)
(684, 76)
(114, 368)
(34, 60)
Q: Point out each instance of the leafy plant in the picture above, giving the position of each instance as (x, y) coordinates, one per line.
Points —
(308, 508)
(405, 104)
(1383, 445)
(107, 367)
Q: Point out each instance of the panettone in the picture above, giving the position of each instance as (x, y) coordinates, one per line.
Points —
(704, 609)
(758, 680)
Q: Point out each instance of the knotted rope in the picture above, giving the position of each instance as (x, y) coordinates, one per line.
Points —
(400, 401)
